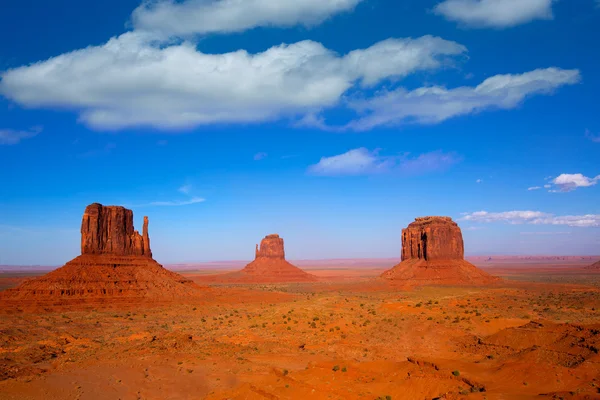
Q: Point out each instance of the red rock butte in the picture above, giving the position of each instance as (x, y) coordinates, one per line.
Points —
(270, 265)
(433, 253)
(115, 262)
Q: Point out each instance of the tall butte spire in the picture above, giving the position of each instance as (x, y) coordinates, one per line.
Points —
(433, 253)
(146, 239)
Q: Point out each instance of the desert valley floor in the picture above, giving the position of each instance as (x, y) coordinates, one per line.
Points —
(350, 335)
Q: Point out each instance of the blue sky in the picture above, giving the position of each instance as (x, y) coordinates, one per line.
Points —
(331, 122)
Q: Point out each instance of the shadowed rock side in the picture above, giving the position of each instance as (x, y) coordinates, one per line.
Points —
(433, 253)
(116, 262)
(269, 265)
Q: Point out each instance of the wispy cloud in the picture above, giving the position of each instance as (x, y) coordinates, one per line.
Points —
(494, 13)
(10, 136)
(193, 200)
(98, 152)
(534, 188)
(260, 156)
(362, 161)
(588, 134)
(533, 218)
(544, 233)
(479, 181)
(435, 104)
(185, 189)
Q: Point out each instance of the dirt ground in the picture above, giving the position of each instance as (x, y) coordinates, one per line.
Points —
(351, 335)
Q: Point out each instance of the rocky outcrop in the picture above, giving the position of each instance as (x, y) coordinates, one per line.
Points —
(433, 254)
(109, 230)
(269, 266)
(432, 238)
(115, 263)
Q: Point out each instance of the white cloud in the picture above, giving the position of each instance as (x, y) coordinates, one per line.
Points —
(429, 105)
(167, 17)
(361, 161)
(10, 136)
(547, 186)
(589, 134)
(185, 189)
(495, 13)
(534, 218)
(133, 81)
(479, 181)
(534, 188)
(570, 182)
(260, 156)
(193, 200)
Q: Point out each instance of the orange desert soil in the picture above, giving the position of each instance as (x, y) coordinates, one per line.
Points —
(351, 335)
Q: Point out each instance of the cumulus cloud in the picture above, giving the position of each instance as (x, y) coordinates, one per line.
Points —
(434, 104)
(570, 182)
(133, 81)
(534, 218)
(495, 13)
(167, 17)
(11, 136)
(362, 161)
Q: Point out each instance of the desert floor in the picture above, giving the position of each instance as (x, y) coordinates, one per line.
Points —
(349, 336)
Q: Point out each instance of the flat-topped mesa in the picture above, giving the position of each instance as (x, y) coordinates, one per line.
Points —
(109, 230)
(433, 254)
(432, 238)
(270, 247)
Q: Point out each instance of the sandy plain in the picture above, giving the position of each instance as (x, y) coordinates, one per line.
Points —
(351, 335)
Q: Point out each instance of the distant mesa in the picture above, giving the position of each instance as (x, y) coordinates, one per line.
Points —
(595, 266)
(270, 266)
(433, 253)
(115, 262)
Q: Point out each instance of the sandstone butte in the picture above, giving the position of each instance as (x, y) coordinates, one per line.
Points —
(270, 265)
(433, 253)
(115, 262)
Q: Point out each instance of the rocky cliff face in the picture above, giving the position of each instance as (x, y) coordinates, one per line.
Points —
(271, 247)
(109, 230)
(432, 238)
